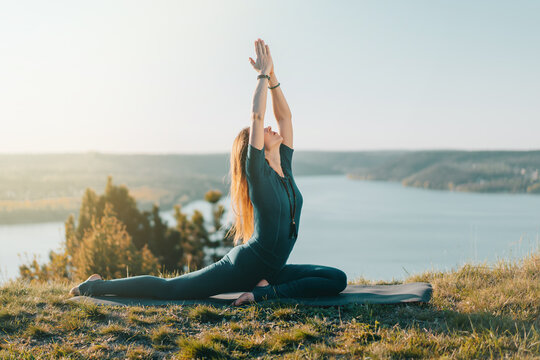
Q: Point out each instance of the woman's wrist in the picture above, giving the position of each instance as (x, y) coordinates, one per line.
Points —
(273, 80)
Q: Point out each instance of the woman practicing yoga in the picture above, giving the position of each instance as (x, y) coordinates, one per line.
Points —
(264, 192)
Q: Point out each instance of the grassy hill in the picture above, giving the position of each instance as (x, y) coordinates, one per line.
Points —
(477, 311)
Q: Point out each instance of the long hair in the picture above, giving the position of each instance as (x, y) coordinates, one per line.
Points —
(243, 223)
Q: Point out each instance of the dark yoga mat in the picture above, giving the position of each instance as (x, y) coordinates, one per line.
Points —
(353, 294)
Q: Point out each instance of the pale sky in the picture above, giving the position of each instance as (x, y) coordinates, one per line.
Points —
(174, 76)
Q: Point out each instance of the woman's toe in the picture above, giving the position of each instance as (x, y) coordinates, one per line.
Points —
(243, 299)
(74, 291)
(238, 301)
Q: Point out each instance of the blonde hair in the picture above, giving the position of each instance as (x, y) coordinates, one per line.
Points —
(243, 224)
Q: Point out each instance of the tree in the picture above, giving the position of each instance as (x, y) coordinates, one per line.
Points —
(165, 242)
(113, 237)
(217, 237)
(54, 270)
(192, 238)
(107, 249)
(123, 204)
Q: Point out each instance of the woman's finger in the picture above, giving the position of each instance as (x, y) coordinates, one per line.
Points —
(267, 49)
(252, 63)
(262, 48)
(258, 48)
(259, 45)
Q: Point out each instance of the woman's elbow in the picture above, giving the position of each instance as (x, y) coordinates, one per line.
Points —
(285, 118)
(255, 116)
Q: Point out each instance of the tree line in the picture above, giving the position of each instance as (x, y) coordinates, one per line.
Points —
(114, 239)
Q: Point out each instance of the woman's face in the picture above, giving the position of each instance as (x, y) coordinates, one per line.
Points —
(271, 138)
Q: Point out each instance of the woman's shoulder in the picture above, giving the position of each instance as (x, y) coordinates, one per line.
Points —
(256, 165)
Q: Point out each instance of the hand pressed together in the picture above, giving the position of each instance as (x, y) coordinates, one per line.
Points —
(264, 64)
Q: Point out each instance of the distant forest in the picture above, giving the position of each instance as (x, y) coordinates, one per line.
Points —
(49, 187)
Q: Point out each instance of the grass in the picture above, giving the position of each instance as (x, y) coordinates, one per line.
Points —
(477, 311)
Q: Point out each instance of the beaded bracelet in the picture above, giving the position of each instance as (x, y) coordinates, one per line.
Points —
(273, 87)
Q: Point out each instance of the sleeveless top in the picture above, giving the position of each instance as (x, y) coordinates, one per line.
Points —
(273, 198)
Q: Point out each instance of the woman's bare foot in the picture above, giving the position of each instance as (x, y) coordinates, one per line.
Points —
(75, 290)
(246, 297)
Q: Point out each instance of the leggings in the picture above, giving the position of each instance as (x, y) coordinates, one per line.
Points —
(238, 271)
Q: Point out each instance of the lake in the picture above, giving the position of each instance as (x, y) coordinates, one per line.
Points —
(377, 230)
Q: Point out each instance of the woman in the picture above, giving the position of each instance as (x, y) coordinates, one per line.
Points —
(264, 191)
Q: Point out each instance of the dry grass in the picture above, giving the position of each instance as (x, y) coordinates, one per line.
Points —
(477, 311)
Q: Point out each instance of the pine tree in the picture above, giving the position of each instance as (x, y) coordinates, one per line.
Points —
(107, 249)
(113, 238)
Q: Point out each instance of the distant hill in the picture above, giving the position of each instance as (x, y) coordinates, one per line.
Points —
(48, 187)
(478, 171)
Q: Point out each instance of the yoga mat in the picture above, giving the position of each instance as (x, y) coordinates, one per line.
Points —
(353, 294)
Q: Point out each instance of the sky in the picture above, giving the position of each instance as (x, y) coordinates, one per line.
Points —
(174, 76)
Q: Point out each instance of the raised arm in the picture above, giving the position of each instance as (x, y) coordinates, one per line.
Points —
(263, 65)
(256, 134)
(281, 111)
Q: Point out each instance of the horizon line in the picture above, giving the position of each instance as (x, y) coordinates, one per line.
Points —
(302, 150)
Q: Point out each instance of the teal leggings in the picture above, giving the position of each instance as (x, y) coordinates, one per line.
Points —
(238, 271)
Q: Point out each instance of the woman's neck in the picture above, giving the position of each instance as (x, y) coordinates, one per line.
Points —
(274, 159)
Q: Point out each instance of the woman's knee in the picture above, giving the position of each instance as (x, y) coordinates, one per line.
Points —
(165, 289)
(340, 278)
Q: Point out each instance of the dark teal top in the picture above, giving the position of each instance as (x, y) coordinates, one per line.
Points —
(273, 237)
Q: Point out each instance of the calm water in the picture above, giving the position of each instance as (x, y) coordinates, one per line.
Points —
(378, 230)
